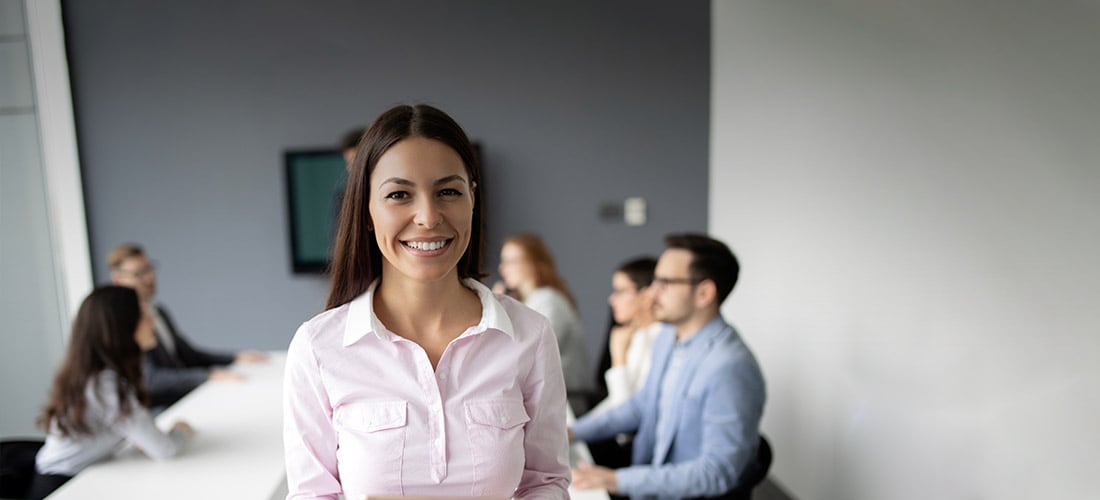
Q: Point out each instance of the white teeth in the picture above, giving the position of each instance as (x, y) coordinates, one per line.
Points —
(426, 245)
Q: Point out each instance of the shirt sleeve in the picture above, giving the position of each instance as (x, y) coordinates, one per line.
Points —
(139, 429)
(190, 355)
(731, 422)
(617, 419)
(193, 356)
(309, 438)
(546, 472)
(167, 385)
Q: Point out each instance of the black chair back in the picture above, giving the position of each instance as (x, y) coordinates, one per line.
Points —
(17, 466)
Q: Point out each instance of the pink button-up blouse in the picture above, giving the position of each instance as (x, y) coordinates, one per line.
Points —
(365, 414)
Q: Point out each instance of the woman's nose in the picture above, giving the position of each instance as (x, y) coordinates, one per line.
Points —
(428, 214)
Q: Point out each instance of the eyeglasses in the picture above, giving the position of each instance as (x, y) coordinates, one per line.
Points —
(663, 282)
(619, 292)
(139, 273)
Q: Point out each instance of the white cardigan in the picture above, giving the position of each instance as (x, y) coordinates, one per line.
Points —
(571, 341)
(624, 381)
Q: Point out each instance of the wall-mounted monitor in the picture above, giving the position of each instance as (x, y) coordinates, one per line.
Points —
(315, 182)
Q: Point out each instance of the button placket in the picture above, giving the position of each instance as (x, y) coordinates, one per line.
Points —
(437, 435)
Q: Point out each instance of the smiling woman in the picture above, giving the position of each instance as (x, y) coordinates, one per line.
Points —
(417, 380)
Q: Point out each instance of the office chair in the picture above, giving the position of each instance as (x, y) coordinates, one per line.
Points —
(17, 466)
(754, 475)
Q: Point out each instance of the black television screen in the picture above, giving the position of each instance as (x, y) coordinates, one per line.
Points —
(315, 187)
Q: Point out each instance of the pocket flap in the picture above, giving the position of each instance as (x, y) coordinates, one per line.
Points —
(372, 416)
(500, 413)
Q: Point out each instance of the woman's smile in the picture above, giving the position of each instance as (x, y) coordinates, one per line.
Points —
(431, 248)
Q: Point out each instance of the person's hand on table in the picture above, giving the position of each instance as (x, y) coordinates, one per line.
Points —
(594, 477)
(221, 374)
(179, 427)
(251, 357)
(185, 428)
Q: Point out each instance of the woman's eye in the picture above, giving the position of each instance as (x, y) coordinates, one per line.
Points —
(397, 195)
(450, 192)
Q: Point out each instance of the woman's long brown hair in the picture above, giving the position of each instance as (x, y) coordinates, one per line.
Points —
(356, 259)
(102, 338)
(546, 273)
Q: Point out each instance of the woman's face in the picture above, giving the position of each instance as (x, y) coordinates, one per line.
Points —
(143, 335)
(515, 269)
(625, 299)
(421, 207)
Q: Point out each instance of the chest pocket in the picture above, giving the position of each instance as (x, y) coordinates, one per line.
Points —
(496, 413)
(372, 416)
(496, 437)
(371, 445)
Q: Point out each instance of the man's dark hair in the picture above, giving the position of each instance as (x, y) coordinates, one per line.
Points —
(639, 270)
(711, 260)
(350, 140)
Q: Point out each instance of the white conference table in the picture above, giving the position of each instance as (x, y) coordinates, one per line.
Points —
(578, 452)
(237, 451)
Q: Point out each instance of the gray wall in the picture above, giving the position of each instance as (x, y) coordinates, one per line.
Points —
(184, 108)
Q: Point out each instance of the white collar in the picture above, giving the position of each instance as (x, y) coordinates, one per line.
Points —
(362, 320)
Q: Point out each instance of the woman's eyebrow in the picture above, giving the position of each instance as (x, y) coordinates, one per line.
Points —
(406, 182)
(450, 178)
(397, 180)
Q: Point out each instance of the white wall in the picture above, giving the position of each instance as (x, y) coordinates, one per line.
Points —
(914, 191)
(29, 330)
(44, 269)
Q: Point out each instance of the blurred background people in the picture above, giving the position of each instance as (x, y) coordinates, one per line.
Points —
(528, 271)
(630, 342)
(349, 143)
(98, 398)
(697, 418)
(173, 367)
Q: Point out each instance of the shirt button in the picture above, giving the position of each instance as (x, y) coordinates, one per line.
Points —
(442, 376)
(503, 420)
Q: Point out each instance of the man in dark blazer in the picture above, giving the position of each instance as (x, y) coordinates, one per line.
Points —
(174, 367)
